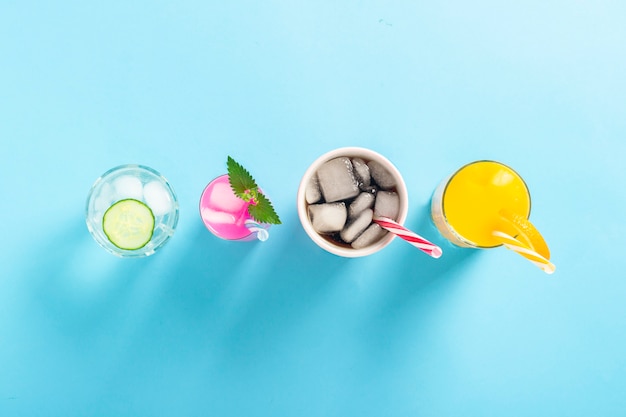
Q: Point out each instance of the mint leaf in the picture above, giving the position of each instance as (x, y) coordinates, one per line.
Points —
(245, 187)
(263, 211)
(240, 180)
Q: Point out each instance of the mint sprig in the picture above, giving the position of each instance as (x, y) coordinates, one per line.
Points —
(244, 187)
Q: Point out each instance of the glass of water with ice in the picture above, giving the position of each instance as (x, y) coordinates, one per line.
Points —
(341, 194)
(132, 211)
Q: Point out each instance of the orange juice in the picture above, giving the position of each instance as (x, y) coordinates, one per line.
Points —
(467, 207)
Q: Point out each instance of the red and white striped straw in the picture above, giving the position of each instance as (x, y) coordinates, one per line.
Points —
(411, 237)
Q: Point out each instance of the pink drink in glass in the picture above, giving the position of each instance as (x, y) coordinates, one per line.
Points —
(226, 215)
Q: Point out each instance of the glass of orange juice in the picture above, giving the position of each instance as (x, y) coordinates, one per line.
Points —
(486, 204)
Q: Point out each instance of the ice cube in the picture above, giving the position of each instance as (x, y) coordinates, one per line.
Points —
(383, 178)
(104, 198)
(362, 172)
(224, 199)
(371, 235)
(371, 189)
(355, 227)
(312, 192)
(328, 217)
(101, 204)
(215, 216)
(362, 202)
(158, 198)
(337, 180)
(128, 186)
(387, 204)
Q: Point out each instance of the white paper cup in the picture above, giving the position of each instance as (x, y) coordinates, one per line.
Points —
(324, 242)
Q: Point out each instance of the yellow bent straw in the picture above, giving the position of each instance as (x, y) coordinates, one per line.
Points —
(526, 251)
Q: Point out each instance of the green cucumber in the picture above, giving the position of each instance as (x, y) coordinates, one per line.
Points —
(128, 224)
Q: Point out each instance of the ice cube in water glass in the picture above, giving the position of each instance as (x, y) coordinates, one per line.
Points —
(104, 198)
(128, 186)
(337, 180)
(157, 197)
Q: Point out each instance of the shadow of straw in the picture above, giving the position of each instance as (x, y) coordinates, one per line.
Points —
(414, 277)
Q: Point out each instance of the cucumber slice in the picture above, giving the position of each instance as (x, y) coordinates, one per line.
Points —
(128, 224)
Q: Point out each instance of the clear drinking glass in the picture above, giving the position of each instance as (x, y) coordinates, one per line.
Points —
(486, 204)
(467, 206)
(226, 215)
(132, 211)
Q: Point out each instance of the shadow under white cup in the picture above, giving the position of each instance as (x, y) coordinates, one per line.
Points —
(324, 242)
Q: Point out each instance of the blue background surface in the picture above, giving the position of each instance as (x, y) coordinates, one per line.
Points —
(282, 328)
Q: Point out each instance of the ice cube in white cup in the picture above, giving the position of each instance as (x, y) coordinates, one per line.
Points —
(373, 238)
(364, 201)
(328, 217)
(312, 192)
(336, 180)
(362, 172)
(381, 175)
(372, 234)
(356, 226)
(387, 204)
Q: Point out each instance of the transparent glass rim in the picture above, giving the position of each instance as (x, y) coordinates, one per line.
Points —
(251, 236)
(465, 241)
(141, 252)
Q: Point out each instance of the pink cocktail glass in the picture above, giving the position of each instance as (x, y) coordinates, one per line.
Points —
(226, 215)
